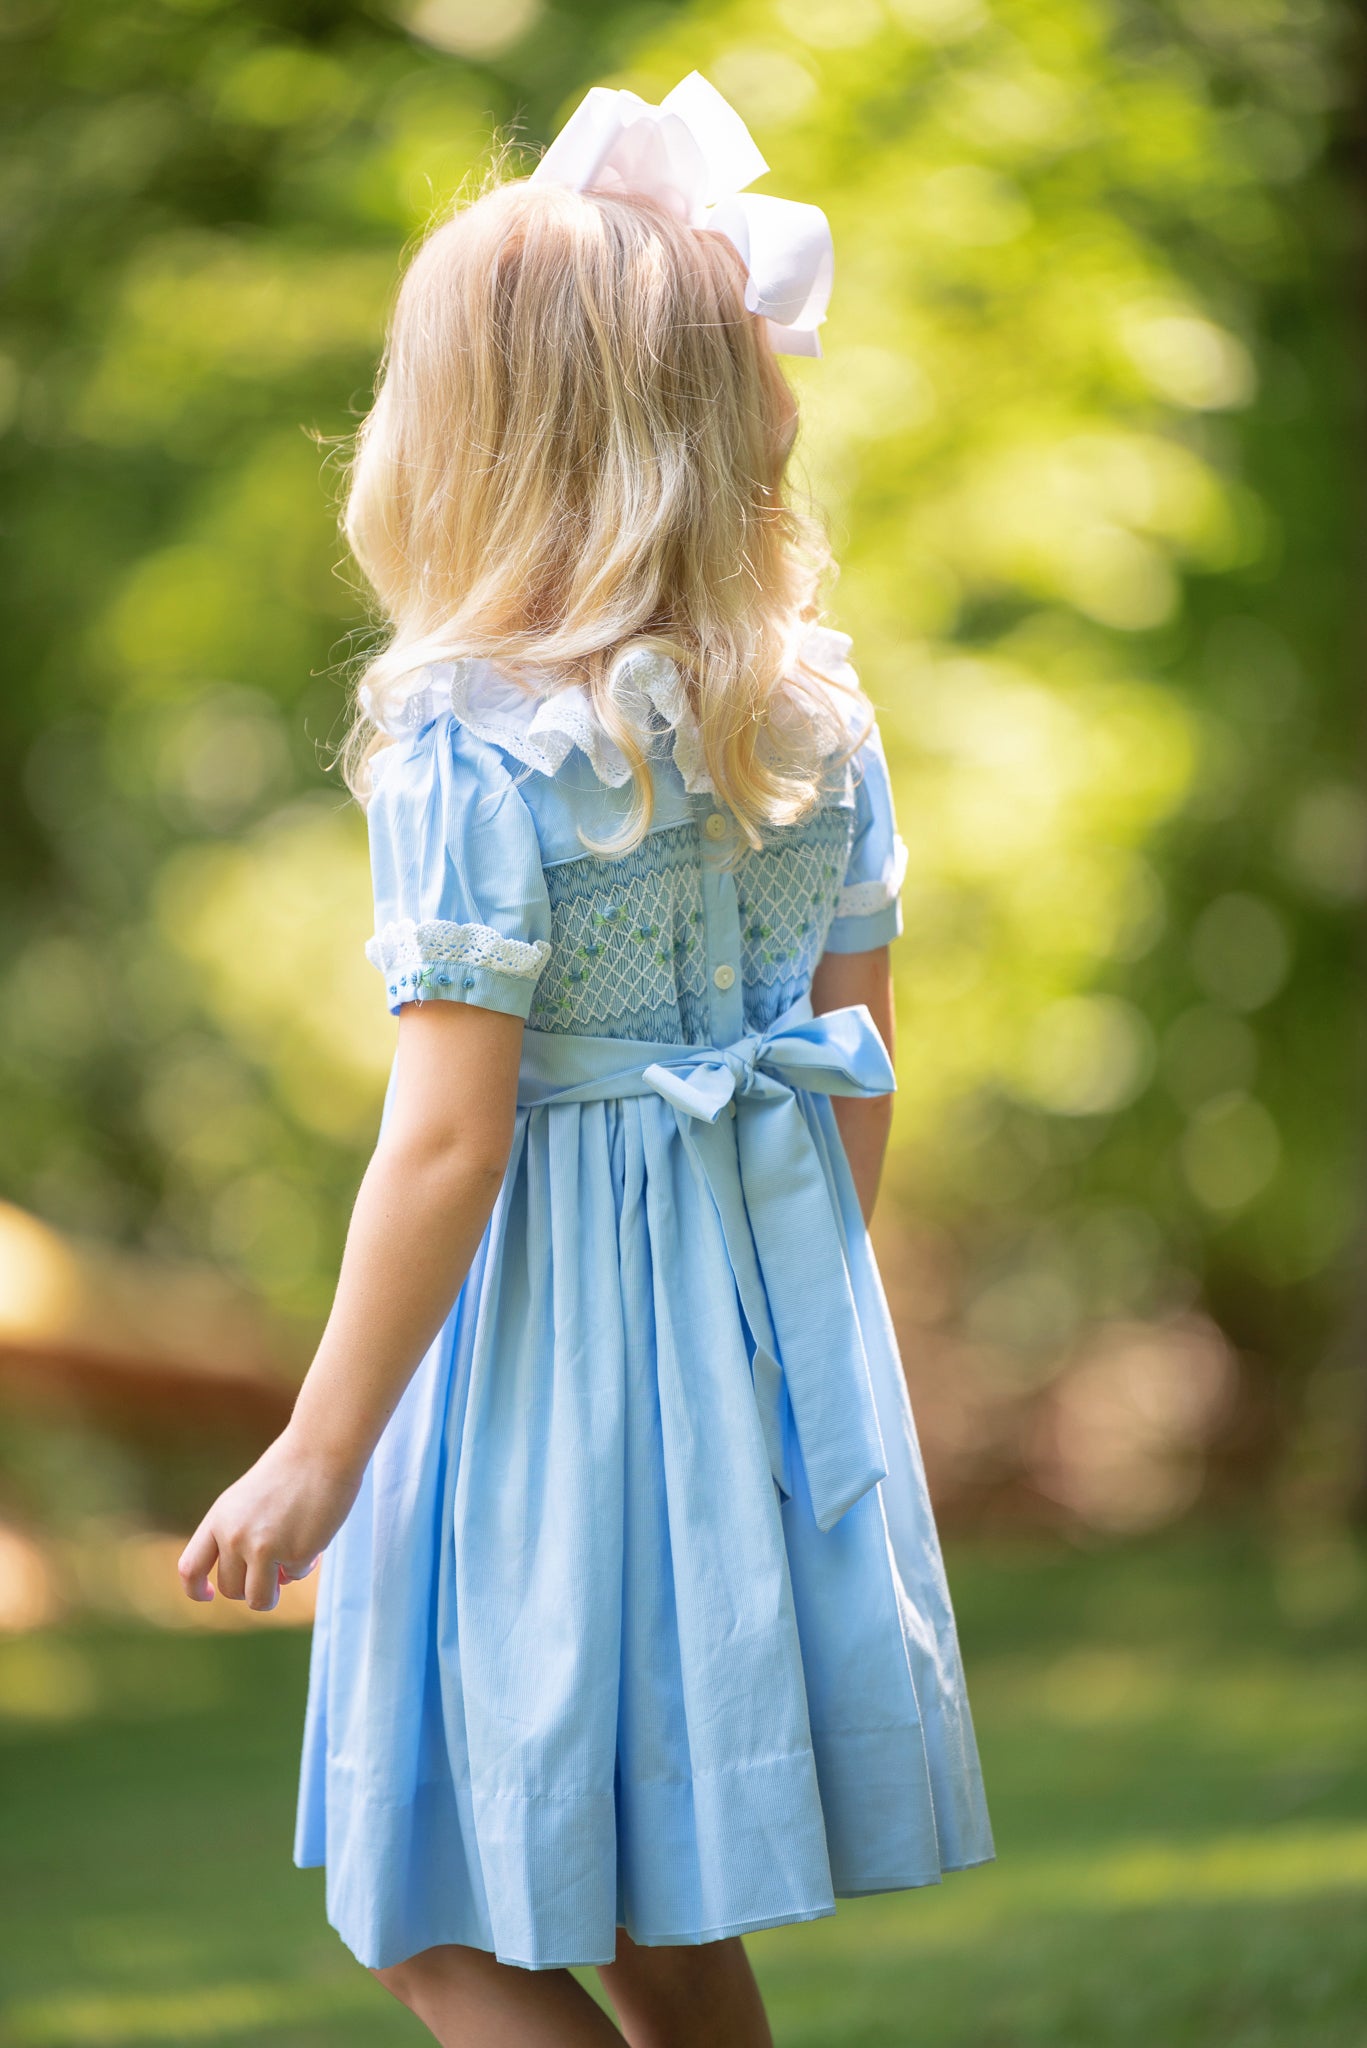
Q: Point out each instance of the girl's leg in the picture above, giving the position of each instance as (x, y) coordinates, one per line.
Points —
(702, 1997)
(468, 1999)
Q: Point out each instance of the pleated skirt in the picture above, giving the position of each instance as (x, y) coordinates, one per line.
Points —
(577, 1664)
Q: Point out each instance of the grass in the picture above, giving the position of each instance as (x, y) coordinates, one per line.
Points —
(1175, 1745)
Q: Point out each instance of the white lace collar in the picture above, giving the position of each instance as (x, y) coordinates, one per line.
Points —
(541, 729)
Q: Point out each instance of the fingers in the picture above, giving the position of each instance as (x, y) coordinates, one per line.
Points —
(262, 1582)
(232, 1571)
(243, 1573)
(300, 1570)
(197, 1560)
(253, 1538)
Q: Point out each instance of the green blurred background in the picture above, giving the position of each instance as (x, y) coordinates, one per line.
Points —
(1088, 435)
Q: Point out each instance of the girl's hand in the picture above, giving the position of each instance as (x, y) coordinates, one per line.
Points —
(271, 1525)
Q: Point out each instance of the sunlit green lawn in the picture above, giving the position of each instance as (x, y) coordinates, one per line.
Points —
(1175, 1742)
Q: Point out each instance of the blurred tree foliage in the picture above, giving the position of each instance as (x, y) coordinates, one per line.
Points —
(203, 208)
(1090, 431)
(1086, 431)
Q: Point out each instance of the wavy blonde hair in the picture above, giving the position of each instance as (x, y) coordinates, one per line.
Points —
(577, 450)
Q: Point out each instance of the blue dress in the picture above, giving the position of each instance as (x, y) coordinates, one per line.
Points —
(639, 1618)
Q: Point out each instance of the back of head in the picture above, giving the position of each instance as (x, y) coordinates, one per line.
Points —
(578, 448)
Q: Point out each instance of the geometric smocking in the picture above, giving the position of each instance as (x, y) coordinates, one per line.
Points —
(786, 894)
(627, 954)
(628, 947)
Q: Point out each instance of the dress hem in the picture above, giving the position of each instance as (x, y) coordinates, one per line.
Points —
(725, 1931)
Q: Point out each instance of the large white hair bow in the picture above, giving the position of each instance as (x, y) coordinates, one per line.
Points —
(694, 155)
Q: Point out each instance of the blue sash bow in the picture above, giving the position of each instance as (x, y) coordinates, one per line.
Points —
(782, 1230)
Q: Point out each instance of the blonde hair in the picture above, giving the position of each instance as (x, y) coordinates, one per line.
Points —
(577, 450)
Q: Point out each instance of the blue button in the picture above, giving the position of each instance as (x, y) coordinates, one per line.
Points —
(469, 981)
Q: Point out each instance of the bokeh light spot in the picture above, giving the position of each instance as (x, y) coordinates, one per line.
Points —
(1241, 950)
(1230, 1151)
(1087, 1055)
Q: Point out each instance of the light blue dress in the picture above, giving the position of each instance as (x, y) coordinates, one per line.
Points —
(639, 1618)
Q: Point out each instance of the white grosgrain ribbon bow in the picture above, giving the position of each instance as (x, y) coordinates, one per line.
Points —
(694, 155)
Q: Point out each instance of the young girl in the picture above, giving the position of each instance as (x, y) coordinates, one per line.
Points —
(632, 1627)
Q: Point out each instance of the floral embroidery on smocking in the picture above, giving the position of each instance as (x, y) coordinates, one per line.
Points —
(786, 893)
(627, 944)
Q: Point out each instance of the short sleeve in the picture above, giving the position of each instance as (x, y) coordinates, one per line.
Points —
(461, 907)
(868, 911)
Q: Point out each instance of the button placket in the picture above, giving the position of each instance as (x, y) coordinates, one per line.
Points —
(721, 926)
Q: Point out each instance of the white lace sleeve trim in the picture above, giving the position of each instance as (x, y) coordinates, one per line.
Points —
(540, 730)
(419, 957)
(863, 899)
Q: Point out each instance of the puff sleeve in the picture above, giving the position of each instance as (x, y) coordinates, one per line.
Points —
(868, 911)
(461, 907)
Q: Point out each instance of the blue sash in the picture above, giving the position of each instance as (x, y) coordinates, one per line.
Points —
(776, 1207)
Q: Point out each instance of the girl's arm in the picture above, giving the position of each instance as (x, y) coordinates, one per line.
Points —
(419, 1215)
(864, 1122)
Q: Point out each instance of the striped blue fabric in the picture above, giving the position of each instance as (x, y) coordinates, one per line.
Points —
(640, 1617)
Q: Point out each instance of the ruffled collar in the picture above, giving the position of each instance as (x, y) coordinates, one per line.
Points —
(541, 729)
